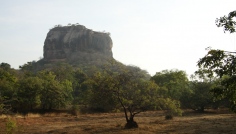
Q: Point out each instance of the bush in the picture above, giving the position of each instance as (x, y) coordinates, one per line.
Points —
(173, 108)
(1, 109)
(11, 126)
(169, 117)
(75, 110)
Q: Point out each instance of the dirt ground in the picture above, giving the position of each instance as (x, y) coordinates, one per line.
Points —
(152, 122)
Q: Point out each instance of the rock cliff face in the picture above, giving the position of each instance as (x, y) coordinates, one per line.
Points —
(76, 42)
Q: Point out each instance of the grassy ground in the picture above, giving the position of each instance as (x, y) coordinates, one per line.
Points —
(152, 122)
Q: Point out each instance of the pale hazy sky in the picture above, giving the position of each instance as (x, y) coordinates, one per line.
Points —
(152, 34)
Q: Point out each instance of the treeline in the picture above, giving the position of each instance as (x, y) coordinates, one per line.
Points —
(113, 87)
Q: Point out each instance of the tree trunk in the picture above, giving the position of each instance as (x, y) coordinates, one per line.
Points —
(131, 123)
(202, 109)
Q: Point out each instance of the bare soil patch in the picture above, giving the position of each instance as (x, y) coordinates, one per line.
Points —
(152, 122)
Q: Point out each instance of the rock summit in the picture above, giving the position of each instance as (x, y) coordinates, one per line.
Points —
(76, 42)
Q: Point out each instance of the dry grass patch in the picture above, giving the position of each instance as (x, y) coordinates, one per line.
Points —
(149, 123)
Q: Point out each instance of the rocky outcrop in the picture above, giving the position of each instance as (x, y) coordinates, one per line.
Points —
(76, 42)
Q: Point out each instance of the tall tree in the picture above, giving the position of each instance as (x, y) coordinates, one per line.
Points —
(80, 87)
(8, 86)
(8, 81)
(28, 93)
(201, 96)
(63, 71)
(101, 99)
(175, 81)
(133, 92)
(55, 94)
(221, 64)
(227, 22)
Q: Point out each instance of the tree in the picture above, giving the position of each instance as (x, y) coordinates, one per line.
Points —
(7, 84)
(5, 107)
(55, 94)
(5, 66)
(201, 96)
(80, 82)
(8, 87)
(2, 106)
(221, 64)
(63, 71)
(29, 67)
(134, 95)
(133, 92)
(8, 81)
(227, 22)
(101, 99)
(174, 81)
(28, 93)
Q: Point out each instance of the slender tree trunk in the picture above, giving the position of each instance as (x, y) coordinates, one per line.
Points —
(202, 109)
(125, 111)
(131, 123)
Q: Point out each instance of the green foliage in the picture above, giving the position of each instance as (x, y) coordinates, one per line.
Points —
(5, 66)
(75, 110)
(81, 87)
(30, 67)
(2, 105)
(8, 87)
(63, 71)
(54, 94)
(221, 64)
(131, 91)
(105, 88)
(201, 96)
(174, 84)
(67, 90)
(139, 72)
(11, 126)
(101, 99)
(218, 62)
(172, 107)
(227, 22)
(203, 75)
(7, 83)
(29, 92)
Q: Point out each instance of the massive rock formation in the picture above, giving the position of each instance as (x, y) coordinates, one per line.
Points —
(71, 43)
